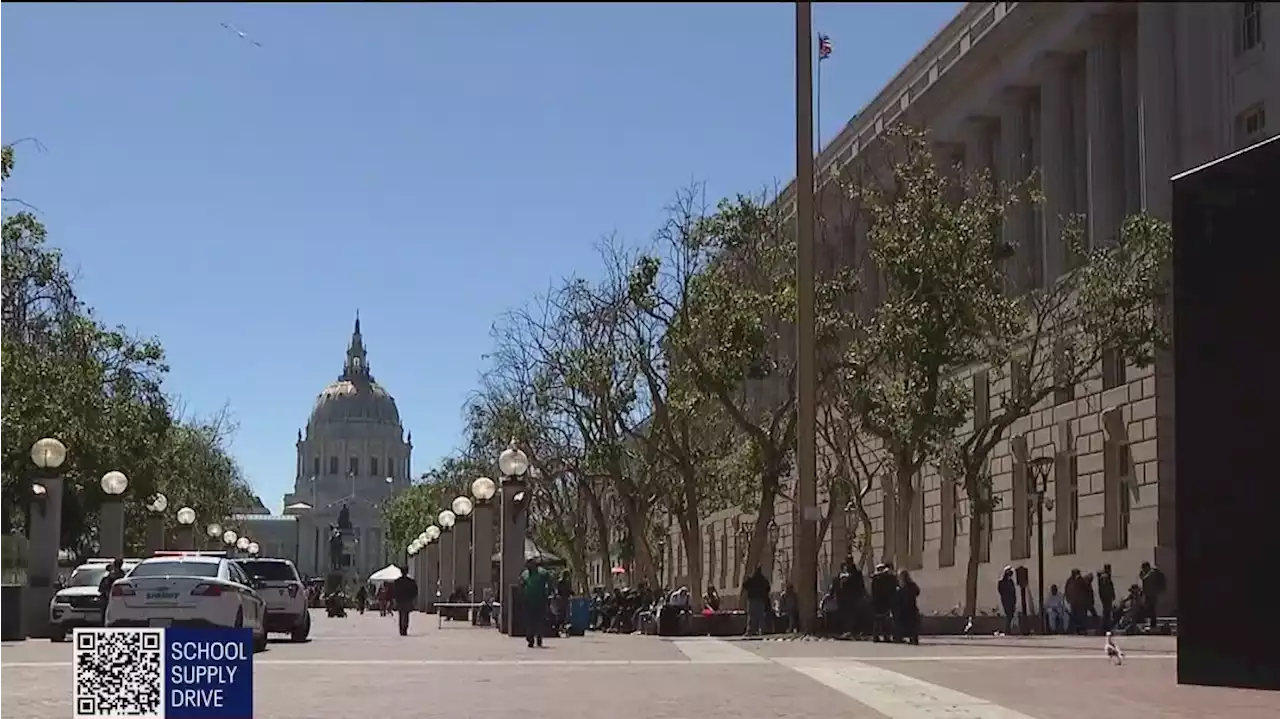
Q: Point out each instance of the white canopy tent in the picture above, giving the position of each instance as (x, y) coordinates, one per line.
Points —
(389, 573)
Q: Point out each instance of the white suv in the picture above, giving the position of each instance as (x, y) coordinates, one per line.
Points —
(277, 581)
(187, 590)
(78, 603)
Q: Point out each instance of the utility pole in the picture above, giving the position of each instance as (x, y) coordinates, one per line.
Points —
(805, 540)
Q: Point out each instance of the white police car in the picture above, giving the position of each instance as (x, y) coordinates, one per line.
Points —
(278, 583)
(78, 603)
(187, 589)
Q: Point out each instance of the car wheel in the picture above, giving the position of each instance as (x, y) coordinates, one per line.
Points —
(260, 641)
(59, 634)
(303, 629)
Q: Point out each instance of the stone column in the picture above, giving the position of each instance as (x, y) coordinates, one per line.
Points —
(1130, 131)
(1157, 113)
(431, 574)
(447, 559)
(155, 533)
(515, 526)
(482, 550)
(1014, 166)
(1104, 149)
(462, 554)
(111, 528)
(978, 145)
(1055, 161)
(46, 539)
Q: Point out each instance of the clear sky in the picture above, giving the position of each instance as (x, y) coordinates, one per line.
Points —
(430, 165)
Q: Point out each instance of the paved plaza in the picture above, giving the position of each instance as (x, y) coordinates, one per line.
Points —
(359, 667)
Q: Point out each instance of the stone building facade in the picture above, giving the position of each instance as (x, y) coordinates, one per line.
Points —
(354, 453)
(1106, 101)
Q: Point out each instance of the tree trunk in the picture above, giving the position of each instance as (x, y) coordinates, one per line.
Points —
(971, 565)
(691, 530)
(602, 533)
(760, 532)
(903, 507)
(867, 557)
(638, 526)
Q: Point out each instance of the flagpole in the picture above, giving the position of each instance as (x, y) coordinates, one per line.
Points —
(804, 566)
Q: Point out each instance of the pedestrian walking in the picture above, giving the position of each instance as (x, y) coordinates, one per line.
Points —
(404, 592)
(535, 586)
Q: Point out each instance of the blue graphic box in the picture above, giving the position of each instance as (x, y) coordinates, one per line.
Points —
(208, 673)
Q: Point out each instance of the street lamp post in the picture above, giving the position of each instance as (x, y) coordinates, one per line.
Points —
(483, 490)
(229, 538)
(448, 580)
(243, 543)
(253, 549)
(513, 464)
(45, 535)
(462, 529)
(186, 529)
(155, 523)
(431, 569)
(1039, 478)
(111, 515)
(804, 542)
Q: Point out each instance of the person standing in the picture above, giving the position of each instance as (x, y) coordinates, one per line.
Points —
(1008, 592)
(757, 590)
(535, 587)
(1153, 586)
(564, 592)
(404, 592)
(907, 611)
(115, 572)
(1107, 596)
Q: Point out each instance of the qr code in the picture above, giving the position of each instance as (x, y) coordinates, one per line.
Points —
(119, 673)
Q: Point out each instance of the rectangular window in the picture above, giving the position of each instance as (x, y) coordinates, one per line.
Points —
(950, 520)
(1018, 380)
(1251, 125)
(315, 466)
(981, 398)
(353, 466)
(1064, 389)
(1112, 369)
(1249, 29)
(1020, 539)
(333, 465)
(373, 466)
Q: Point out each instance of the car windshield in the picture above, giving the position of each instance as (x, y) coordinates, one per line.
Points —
(269, 571)
(90, 577)
(175, 569)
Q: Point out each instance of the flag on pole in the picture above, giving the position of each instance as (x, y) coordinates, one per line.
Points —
(824, 47)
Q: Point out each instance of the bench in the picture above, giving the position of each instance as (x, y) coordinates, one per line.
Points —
(469, 606)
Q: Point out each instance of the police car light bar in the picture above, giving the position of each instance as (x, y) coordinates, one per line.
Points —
(180, 553)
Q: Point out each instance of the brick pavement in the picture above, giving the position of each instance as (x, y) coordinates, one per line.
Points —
(359, 666)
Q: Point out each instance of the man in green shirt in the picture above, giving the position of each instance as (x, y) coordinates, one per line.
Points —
(535, 586)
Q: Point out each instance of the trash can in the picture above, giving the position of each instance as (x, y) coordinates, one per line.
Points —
(579, 616)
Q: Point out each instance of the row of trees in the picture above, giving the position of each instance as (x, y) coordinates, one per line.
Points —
(663, 390)
(100, 391)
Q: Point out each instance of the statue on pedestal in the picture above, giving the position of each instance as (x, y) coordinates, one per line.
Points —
(335, 547)
(344, 519)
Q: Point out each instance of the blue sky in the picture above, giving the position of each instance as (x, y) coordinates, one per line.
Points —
(431, 165)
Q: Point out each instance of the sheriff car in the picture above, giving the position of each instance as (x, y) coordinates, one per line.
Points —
(278, 583)
(78, 603)
(188, 589)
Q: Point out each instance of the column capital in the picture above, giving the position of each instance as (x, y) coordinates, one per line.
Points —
(1011, 97)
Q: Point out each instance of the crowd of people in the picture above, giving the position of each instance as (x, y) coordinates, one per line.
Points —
(1086, 602)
